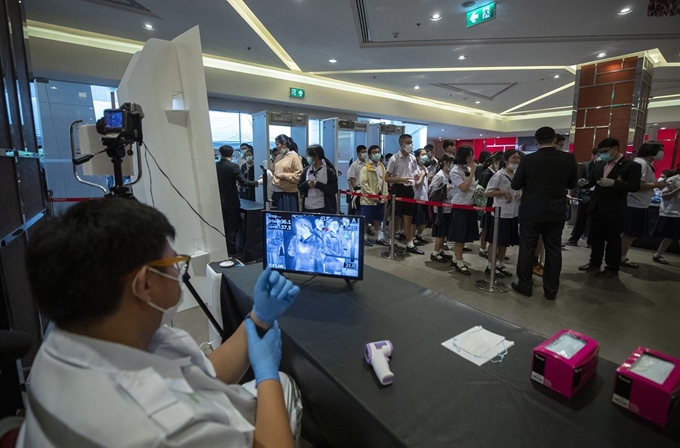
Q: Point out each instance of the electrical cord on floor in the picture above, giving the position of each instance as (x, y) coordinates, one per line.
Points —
(180, 194)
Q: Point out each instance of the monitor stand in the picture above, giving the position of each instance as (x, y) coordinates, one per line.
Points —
(349, 284)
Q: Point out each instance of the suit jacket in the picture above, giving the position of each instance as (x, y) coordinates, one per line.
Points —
(228, 174)
(544, 178)
(611, 202)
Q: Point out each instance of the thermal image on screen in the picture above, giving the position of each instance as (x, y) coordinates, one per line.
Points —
(315, 244)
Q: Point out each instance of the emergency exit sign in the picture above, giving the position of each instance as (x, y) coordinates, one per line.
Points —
(481, 15)
(297, 93)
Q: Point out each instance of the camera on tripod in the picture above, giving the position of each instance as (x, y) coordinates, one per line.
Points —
(122, 125)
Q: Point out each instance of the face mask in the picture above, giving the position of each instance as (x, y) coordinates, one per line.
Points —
(376, 157)
(283, 151)
(605, 157)
(424, 159)
(408, 148)
(169, 313)
(658, 156)
(309, 160)
(513, 166)
(362, 155)
(249, 158)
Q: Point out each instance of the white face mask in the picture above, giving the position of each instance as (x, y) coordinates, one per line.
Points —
(169, 313)
(408, 148)
(362, 155)
(658, 156)
(513, 166)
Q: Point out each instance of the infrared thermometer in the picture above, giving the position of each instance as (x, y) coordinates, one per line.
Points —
(378, 355)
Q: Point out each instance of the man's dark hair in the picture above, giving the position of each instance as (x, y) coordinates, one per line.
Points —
(360, 148)
(372, 147)
(77, 262)
(388, 156)
(448, 143)
(594, 151)
(429, 147)
(559, 138)
(462, 155)
(608, 143)
(403, 137)
(545, 135)
(248, 147)
(649, 149)
(226, 151)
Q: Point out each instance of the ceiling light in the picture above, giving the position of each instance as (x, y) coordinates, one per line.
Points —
(625, 11)
(417, 87)
(556, 76)
(480, 135)
(332, 61)
(435, 17)
(601, 55)
(53, 88)
(442, 130)
(469, 4)
(655, 124)
(148, 26)
(477, 102)
(461, 57)
(663, 129)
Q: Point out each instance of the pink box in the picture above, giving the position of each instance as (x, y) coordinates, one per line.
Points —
(648, 384)
(565, 362)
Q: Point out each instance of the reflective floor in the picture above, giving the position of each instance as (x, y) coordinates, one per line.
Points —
(639, 308)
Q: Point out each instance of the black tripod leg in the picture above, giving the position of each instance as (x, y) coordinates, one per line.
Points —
(204, 307)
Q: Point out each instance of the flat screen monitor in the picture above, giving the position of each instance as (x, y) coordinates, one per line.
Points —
(312, 243)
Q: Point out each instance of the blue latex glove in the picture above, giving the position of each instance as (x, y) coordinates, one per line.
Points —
(273, 294)
(265, 352)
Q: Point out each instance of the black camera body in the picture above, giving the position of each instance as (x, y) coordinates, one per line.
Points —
(122, 125)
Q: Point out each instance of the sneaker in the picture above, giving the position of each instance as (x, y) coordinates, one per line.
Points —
(368, 243)
(503, 270)
(461, 268)
(483, 253)
(439, 257)
(499, 274)
(381, 242)
(659, 259)
(414, 250)
(629, 264)
(571, 242)
(421, 240)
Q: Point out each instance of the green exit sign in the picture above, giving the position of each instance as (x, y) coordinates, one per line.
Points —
(481, 15)
(297, 93)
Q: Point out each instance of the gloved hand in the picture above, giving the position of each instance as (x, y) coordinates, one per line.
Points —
(606, 182)
(273, 295)
(265, 352)
(582, 182)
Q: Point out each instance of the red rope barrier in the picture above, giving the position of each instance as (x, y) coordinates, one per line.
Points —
(416, 201)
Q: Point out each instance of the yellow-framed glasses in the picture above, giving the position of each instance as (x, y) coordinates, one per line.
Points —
(179, 262)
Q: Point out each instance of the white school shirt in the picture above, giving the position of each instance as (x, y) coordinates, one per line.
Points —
(402, 165)
(502, 181)
(438, 180)
(102, 394)
(670, 208)
(354, 172)
(421, 191)
(642, 199)
(457, 175)
(315, 197)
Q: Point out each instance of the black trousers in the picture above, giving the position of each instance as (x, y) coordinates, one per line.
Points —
(232, 221)
(529, 233)
(605, 231)
(581, 223)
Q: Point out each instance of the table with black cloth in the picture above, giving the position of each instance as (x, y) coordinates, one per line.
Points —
(438, 399)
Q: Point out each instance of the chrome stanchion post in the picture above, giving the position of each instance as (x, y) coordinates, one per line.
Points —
(492, 285)
(390, 254)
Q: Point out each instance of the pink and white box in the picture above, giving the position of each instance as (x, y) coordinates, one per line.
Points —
(648, 384)
(565, 362)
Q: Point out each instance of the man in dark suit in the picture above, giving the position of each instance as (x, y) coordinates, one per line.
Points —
(544, 177)
(228, 174)
(613, 176)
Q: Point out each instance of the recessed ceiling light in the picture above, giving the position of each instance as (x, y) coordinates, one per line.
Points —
(461, 57)
(53, 88)
(601, 55)
(469, 4)
(480, 135)
(663, 129)
(655, 124)
(417, 87)
(332, 61)
(435, 17)
(556, 76)
(625, 11)
(477, 102)
(442, 130)
(148, 26)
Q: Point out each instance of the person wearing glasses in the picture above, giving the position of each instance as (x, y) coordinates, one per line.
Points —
(113, 373)
(613, 177)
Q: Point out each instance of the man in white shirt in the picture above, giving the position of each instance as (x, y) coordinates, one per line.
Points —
(112, 373)
(354, 179)
(638, 202)
(401, 173)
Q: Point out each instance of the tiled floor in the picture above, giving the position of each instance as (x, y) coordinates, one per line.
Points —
(641, 307)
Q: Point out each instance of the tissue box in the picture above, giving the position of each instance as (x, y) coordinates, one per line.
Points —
(565, 362)
(648, 384)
